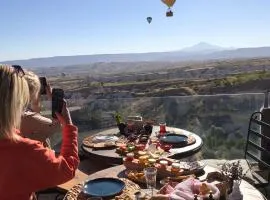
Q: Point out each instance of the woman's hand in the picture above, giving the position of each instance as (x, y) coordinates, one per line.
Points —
(64, 118)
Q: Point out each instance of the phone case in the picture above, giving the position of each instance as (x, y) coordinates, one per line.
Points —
(57, 101)
(43, 84)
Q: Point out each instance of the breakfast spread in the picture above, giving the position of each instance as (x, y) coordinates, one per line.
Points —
(140, 150)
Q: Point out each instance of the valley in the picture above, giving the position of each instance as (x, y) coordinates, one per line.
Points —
(213, 99)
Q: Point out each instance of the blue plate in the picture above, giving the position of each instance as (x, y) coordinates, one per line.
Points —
(103, 187)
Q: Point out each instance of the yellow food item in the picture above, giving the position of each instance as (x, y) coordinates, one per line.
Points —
(152, 161)
(204, 189)
(159, 152)
(164, 163)
(142, 153)
(136, 176)
(155, 156)
(144, 157)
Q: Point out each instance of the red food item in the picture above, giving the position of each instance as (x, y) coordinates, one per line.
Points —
(123, 148)
(158, 144)
(157, 165)
(129, 159)
(166, 147)
(167, 189)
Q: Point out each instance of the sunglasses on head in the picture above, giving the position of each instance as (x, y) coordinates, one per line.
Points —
(19, 70)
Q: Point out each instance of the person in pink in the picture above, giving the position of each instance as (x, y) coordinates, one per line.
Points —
(33, 124)
(26, 165)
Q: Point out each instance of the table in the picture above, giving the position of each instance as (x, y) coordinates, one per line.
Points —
(78, 178)
(249, 192)
(110, 156)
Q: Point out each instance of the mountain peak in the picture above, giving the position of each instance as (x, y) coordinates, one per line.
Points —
(203, 46)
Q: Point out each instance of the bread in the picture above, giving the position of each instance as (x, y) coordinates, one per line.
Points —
(204, 189)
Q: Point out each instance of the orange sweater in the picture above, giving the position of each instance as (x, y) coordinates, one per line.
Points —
(26, 166)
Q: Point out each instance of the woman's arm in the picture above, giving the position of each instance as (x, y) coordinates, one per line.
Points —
(45, 169)
(37, 127)
(49, 170)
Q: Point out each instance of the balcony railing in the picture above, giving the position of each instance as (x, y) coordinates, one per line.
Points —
(220, 120)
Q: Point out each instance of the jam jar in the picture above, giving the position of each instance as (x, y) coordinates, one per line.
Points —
(129, 157)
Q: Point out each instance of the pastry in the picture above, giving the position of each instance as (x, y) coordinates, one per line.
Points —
(136, 176)
(204, 189)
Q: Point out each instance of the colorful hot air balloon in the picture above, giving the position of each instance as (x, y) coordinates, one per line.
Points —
(149, 19)
(170, 4)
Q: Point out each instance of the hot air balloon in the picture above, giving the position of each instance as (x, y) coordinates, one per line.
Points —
(170, 4)
(149, 19)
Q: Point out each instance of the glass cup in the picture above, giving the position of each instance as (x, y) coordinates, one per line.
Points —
(162, 128)
(166, 147)
(150, 174)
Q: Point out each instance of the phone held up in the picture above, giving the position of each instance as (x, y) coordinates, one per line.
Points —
(43, 85)
(57, 101)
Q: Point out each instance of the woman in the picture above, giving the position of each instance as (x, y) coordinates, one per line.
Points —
(34, 125)
(26, 165)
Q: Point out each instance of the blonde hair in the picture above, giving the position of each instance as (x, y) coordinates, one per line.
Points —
(14, 96)
(33, 84)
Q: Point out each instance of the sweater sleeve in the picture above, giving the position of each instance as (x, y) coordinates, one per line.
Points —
(46, 170)
(37, 127)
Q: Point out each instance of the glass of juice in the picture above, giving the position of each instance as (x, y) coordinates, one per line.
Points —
(162, 128)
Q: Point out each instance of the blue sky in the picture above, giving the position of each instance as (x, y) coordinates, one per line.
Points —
(42, 28)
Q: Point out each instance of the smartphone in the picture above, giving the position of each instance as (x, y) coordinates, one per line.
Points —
(43, 85)
(57, 101)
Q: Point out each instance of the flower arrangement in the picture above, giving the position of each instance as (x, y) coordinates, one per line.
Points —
(233, 171)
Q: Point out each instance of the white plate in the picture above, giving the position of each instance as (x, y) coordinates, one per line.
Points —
(104, 138)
